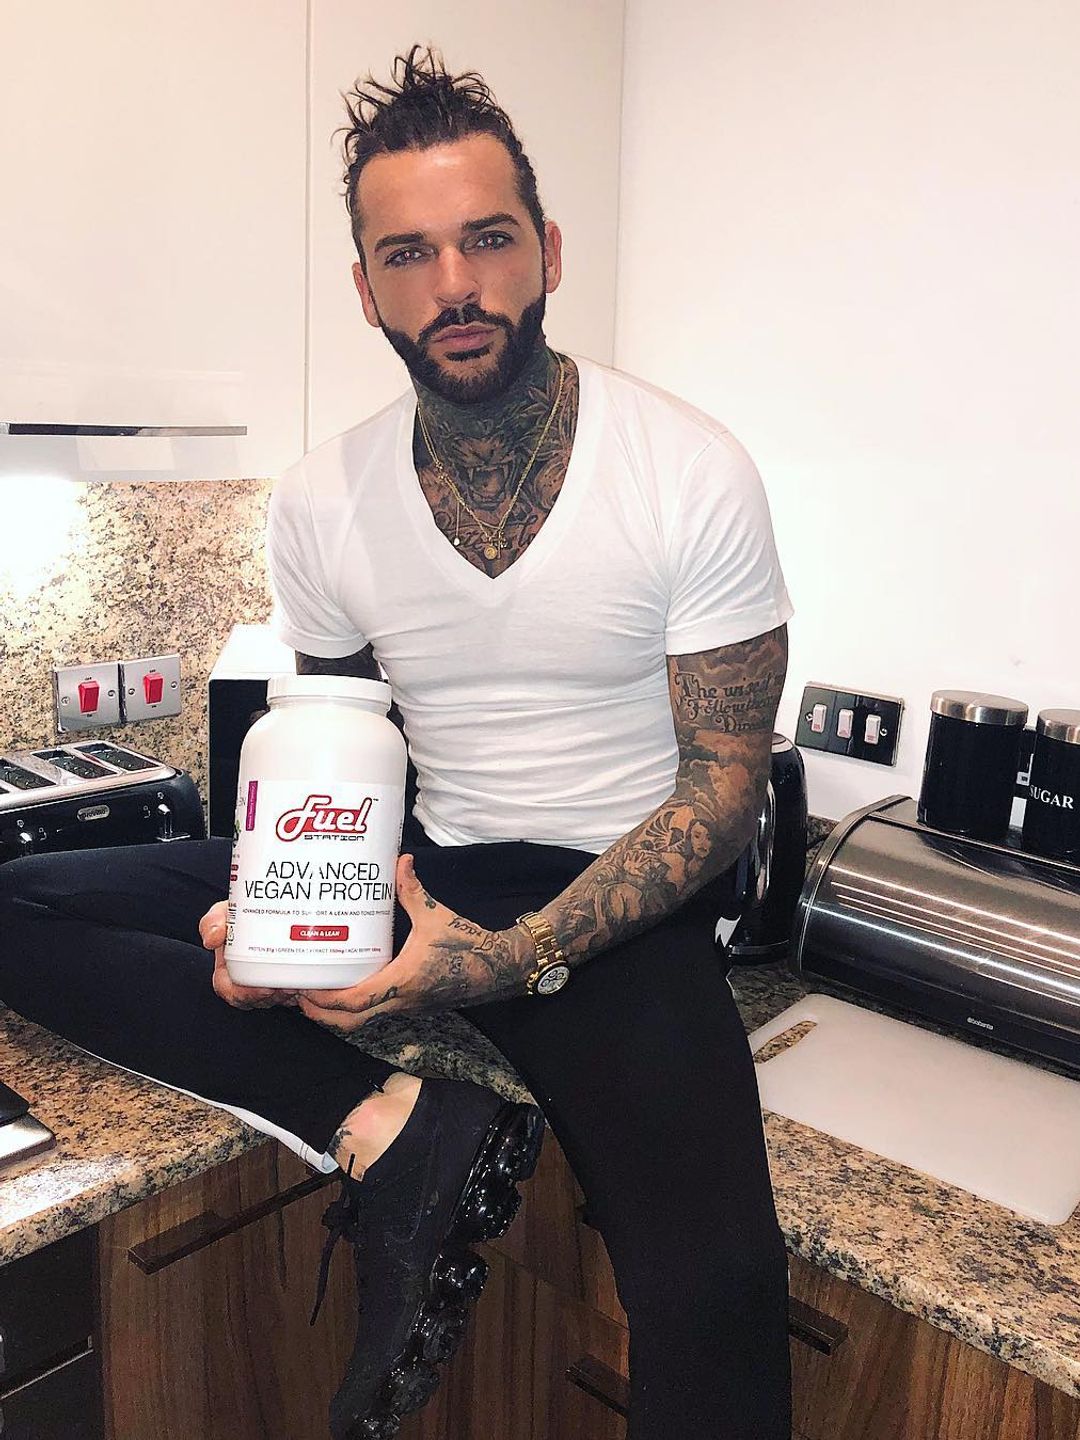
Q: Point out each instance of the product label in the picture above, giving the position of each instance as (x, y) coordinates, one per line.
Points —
(1048, 797)
(312, 876)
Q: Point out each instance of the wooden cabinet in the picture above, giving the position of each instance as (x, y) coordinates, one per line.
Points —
(49, 1380)
(545, 1356)
(205, 1295)
(153, 266)
(510, 1379)
(895, 1377)
(546, 1352)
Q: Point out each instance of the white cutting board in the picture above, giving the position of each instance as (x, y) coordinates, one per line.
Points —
(999, 1128)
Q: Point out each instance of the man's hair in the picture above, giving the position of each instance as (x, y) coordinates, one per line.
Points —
(425, 106)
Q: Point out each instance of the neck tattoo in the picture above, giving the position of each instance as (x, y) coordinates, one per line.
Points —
(473, 461)
(493, 535)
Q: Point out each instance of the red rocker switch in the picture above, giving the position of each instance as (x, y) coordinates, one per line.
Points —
(153, 687)
(89, 693)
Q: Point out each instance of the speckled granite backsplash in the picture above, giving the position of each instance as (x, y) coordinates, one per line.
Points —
(120, 571)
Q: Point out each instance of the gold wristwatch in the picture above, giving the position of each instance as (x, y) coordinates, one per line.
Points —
(552, 972)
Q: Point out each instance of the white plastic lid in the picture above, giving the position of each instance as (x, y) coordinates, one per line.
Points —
(328, 687)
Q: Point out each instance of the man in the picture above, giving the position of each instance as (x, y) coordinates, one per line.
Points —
(570, 581)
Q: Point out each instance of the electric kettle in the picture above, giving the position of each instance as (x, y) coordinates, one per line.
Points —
(770, 872)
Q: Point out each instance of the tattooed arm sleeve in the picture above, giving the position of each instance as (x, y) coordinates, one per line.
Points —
(724, 704)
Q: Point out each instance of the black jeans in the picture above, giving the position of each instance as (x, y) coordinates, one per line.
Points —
(640, 1064)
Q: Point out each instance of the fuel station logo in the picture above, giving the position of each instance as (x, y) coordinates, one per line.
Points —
(320, 816)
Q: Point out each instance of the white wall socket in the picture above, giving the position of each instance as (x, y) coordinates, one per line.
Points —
(151, 687)
(87, 696)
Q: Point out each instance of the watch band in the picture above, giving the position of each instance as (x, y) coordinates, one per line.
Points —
(551, 966)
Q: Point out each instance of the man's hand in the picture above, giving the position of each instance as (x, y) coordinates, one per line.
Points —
(447, 961)
(243, 997)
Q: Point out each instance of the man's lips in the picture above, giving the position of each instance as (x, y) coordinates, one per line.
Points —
(466, 334)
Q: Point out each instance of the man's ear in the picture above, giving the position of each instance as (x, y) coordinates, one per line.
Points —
(363, 289)
(552, 256)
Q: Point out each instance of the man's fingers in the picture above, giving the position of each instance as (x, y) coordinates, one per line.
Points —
(212, 925)
(349, 1009)
(409, 888)
(354, 999)
(242, 997)
(245, 997)
(341, 1017)
(329, 1019)
(414, 899)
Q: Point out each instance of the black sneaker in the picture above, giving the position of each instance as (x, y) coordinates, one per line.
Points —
(450, 1178)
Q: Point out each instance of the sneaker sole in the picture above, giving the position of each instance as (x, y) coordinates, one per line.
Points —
(485, 1209)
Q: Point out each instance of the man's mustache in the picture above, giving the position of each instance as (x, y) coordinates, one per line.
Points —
(462, 315)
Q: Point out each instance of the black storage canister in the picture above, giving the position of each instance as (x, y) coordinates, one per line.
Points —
(972, 758)
(1052, 816)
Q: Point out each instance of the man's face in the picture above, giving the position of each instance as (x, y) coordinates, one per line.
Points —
(456, 275)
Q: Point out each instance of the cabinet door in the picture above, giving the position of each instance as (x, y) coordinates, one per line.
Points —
(545, 1356)
(511, 1378)
(554, 1240)
(62, 1404)
(861, 1369)
(557, 70)
(215, 1342)
(895, 1377)
(152, 264)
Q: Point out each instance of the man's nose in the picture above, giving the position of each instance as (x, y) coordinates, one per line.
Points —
(455, 280)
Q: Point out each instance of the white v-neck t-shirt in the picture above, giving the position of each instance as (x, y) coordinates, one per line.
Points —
(536, 704)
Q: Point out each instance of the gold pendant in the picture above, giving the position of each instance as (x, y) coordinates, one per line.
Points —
(491, 552)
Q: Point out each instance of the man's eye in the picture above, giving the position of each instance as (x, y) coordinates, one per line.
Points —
(492, 240)
(403, 257)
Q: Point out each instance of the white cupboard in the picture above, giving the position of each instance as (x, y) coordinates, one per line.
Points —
(152, 233)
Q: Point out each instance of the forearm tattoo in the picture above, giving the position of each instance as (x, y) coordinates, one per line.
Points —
(724, 704)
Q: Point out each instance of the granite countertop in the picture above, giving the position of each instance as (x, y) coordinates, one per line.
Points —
(121, 1137)
(1006, 1284)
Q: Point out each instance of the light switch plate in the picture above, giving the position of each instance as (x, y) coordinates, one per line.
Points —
(886, 709)
(66, 682)
(816, 695)
(138, 680)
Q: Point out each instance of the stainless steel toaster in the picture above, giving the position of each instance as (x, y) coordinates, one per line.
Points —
(978, 935)
(75, 796)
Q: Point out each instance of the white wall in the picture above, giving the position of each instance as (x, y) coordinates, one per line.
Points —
(852, 231)
(557, 69)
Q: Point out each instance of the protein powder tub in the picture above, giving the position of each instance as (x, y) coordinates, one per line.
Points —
(318, 828)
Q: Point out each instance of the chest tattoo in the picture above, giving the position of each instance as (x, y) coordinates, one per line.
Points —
(486, 466)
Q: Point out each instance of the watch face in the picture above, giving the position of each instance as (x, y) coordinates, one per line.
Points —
(554, 978)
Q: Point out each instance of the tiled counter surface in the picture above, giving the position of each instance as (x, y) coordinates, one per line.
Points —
(1005, 1284)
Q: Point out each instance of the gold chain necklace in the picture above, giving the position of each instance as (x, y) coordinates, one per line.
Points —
(492, 535)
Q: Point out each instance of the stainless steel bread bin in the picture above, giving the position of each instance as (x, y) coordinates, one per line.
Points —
(981, 936)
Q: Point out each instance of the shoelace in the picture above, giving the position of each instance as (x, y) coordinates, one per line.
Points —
(343, 1220)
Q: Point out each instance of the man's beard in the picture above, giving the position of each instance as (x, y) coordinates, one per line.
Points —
(521, 342)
